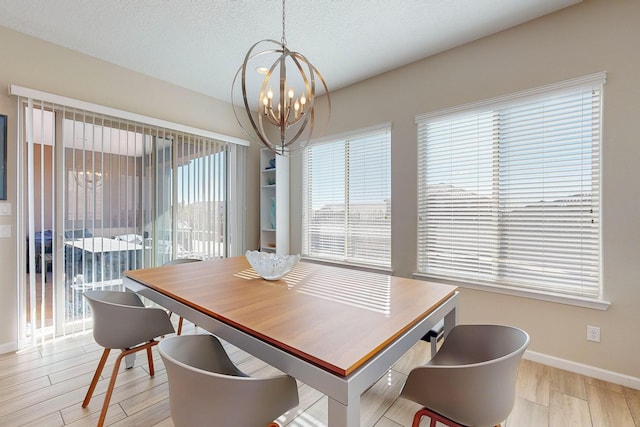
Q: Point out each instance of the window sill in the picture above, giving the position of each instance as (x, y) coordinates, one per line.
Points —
(363, 267)
(593, 303)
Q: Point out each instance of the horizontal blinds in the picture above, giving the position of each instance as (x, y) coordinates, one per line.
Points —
(368, 216)
(458, 221)
(347, 214)
(324, 187)
(511, 195)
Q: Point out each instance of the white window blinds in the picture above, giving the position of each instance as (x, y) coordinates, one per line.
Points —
(509, 192)
(347, 199)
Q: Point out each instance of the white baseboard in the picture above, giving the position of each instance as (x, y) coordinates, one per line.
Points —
(582, 369)
(8, 347)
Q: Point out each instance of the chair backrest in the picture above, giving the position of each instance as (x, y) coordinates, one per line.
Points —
(206, 388)
(120, 319)
(472, 378)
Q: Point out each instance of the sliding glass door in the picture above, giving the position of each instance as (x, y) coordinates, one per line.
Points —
(105, 195)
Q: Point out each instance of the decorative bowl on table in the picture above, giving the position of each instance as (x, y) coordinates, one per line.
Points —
(271, 266)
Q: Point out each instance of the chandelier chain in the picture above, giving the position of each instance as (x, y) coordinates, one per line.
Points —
(283, 40)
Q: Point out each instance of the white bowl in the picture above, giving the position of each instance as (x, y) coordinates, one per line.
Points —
(271, 266)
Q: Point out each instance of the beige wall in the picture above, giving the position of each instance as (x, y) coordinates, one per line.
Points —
(35, 64)
(596, 35)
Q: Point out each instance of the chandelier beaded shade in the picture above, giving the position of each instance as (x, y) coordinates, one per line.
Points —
(285, 111)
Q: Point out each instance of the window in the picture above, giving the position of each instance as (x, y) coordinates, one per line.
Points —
(347, 199)
(509, 191)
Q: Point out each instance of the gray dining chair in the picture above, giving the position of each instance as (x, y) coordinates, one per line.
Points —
(471, 380)
(174, 262)
(121, 321)
(206, 388)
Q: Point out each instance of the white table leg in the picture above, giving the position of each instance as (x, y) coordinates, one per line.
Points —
(129, 360)
(450, 320)
(344, 416)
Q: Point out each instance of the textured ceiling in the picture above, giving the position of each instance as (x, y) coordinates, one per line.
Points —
(200, 44)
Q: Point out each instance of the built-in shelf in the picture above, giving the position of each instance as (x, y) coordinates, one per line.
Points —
(274, 202)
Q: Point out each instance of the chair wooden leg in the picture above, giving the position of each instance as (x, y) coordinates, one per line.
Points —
(180, 326)
(150, 359)
(112, 383)
(114, 374)
(96, 377)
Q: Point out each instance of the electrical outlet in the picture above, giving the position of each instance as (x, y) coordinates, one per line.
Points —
(593, 333)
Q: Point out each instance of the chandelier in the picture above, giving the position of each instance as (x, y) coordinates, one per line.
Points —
(283, 115)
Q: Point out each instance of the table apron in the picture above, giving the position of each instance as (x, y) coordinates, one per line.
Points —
(341, 389)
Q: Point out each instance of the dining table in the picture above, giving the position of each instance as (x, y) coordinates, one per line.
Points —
(336, 329)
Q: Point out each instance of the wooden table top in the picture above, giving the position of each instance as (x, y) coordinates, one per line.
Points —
(336, 318)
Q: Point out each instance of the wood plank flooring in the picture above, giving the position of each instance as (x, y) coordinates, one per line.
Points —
(44, 386)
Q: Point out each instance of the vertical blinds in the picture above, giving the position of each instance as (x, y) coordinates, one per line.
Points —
(347, 199)
(144, 184)
(105, 194)
(509, 194)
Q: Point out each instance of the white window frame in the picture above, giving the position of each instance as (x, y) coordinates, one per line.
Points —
(344, 257)
(593, 81)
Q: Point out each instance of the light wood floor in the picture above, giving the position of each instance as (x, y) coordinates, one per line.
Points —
(45, 386)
